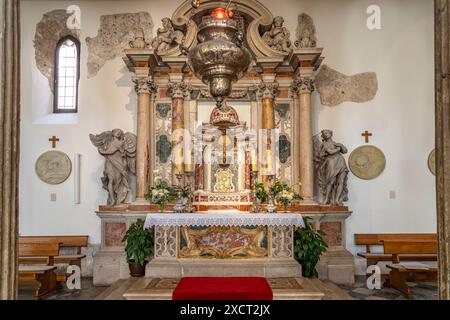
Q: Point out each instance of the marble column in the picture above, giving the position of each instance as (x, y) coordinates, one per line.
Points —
(303, 87)
(442, 60)
(9, 145)
(145, 89)
(178, 92)
(268, 92)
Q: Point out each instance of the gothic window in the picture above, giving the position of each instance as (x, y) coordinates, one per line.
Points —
(67, 75)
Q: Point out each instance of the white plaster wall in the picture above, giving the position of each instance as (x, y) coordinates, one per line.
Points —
(401, 116)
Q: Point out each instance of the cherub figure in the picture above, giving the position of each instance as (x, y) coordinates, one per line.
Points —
(119, 150)
(278, 36)
(166, 37)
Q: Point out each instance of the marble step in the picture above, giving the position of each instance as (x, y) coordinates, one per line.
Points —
(269, 268)
(330, 290)
(283, 289)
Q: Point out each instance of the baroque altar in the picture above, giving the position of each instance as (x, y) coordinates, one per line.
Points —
(187, 134)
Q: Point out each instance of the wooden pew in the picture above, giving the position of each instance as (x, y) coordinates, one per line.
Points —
(43, 274)
(378, 239)
(75, 242)
(401, 271)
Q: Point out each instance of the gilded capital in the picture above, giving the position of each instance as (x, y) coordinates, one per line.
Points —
(302, 85)
(179, 90)
(145, 85)
(268, 90)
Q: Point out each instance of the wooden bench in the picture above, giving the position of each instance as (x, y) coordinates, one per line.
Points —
(378, 239)
(65, 242)
(401, 272)
(43, 274)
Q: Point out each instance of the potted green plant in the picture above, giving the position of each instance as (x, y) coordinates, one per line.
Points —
(309, 247)
(139, 247)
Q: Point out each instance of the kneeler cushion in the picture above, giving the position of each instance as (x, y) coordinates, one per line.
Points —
(210, 288)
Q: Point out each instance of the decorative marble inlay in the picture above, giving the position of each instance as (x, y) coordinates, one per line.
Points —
(223, 242)
(163, 109)
(163, 149)
(114, 233)
(284, 149)
(282, 239)
(282, 109)
(333, 233)
(165, 242)
(283, 123)
(163, 133)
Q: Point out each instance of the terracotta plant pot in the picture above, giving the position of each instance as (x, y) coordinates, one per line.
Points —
(137, 270)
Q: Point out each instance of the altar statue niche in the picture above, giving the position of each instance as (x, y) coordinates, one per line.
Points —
(331, 169)
(119, 150)
(223, 162)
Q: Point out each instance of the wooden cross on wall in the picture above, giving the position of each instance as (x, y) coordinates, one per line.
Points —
(53, 140)
(366, 135)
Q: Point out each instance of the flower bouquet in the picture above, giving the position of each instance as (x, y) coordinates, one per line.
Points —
(284, 194)
(160, 194)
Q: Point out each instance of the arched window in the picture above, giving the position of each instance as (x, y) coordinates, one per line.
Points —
(67, 75)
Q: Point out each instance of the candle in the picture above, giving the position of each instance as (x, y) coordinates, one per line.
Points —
(269, 162)
(254, 160)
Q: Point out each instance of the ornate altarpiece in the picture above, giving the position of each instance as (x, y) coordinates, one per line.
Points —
(277, 90)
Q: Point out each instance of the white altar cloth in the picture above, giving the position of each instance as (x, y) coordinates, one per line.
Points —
(223, 219)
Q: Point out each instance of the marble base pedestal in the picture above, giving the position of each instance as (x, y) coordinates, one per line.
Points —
(269, 268)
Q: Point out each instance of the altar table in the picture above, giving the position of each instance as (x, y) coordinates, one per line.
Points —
(223, 235)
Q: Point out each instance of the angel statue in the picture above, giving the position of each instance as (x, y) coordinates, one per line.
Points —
(166, 37)
(119, 150)
(278, 36)
(331, 169)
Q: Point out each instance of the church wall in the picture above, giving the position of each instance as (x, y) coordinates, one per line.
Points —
(401, 116)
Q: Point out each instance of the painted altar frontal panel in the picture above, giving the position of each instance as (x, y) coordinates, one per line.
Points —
(224, 242)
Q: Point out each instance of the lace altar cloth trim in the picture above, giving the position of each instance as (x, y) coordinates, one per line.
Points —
(223, 219)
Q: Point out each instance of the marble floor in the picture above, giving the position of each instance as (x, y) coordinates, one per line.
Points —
(87, 292)
(422, 291)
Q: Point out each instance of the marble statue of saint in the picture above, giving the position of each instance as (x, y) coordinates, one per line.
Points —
(166, 37)
(331, 169)
(278, 36)
(119, 150)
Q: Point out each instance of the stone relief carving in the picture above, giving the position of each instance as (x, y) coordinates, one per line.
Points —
(53, 167)
(331, 169)
(115, 34)
(306, 32)
(335, 88)
(167, 37)
(119, 150)
(51, 29)
(278, 37)
(367, 162)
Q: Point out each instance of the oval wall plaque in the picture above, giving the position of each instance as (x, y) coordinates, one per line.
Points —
(432, 162)
(367, 162)
(53, 167)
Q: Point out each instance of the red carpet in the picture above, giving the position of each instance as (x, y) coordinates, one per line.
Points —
(223, 289)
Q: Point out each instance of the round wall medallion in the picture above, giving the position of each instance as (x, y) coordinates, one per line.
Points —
(53, 167)
(367, 162)
(432, 162)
